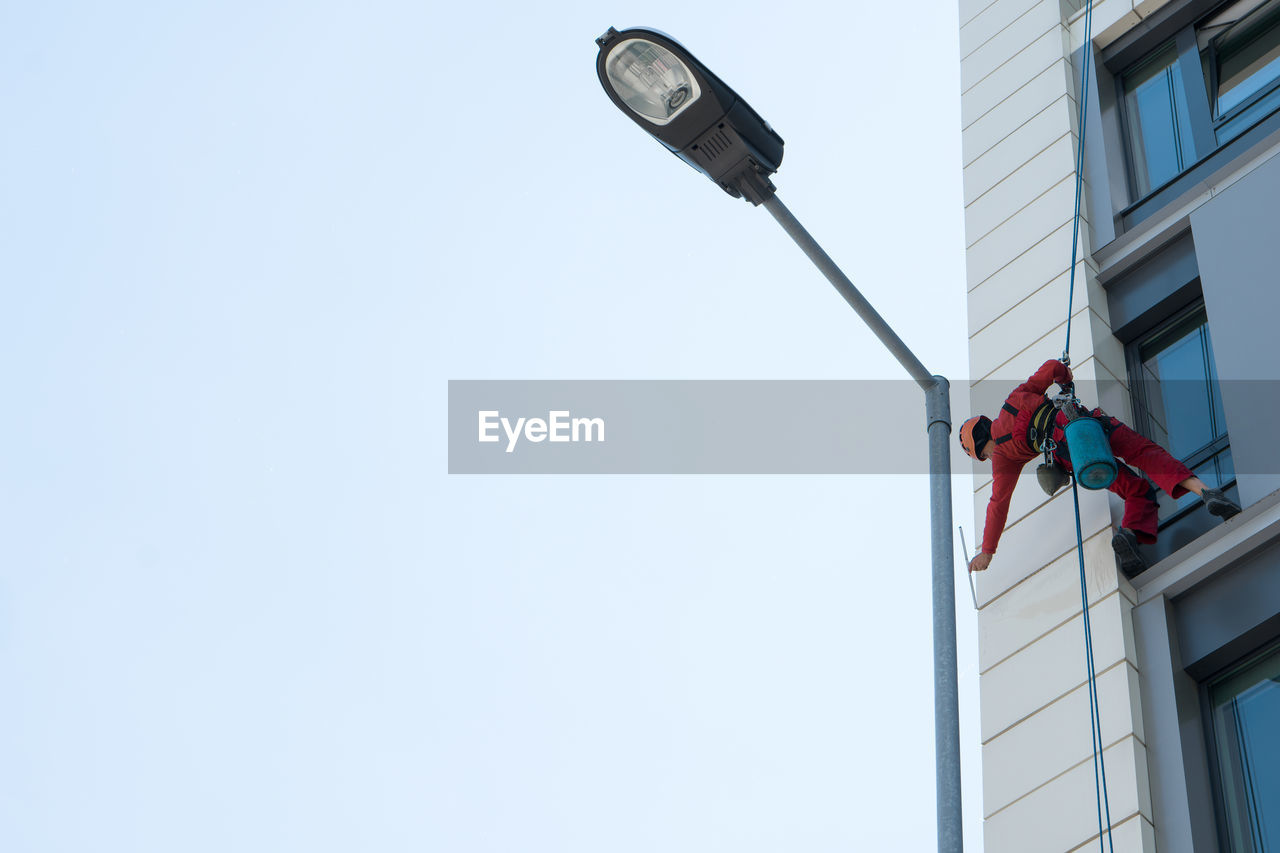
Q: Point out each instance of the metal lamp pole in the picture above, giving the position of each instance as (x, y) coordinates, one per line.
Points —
(657, 83)
(946, 702)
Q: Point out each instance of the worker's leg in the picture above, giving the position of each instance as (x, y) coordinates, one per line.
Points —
(1147, 456)
(1140, 511)
(1168, 473)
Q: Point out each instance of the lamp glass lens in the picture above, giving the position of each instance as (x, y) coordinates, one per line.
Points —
(651, 80)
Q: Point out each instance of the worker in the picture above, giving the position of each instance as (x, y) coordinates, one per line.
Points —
(1017, 436)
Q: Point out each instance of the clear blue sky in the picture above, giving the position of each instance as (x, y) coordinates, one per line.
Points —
(244, 246)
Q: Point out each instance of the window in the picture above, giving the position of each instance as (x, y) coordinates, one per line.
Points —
(1178, 402)
(1244, 710)
(1159, 123)
(1240, 53)
(1211, 82)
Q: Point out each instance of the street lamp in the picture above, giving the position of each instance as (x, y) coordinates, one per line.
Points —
(673, 96)
(679, 102)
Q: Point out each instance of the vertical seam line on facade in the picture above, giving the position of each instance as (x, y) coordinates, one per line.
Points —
(1025, 12)
(993, 145)
(1051, 629)
(996, 105)
(993, 71)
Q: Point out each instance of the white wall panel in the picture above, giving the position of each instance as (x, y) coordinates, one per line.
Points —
(1025, 185)
(969, 9)
(1030, 271)
(1001, 47)
(1054, 665)
(989, 252)
(1062, 815)
(1017, 149)
(1040, 92)
(1022, 67)
(989, 22)
(1043, 602)
(1018, 114)
(1059, 737)
(1135, 835)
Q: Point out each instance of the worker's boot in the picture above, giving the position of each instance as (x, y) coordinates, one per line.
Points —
(1125, 544)
(1219, 504)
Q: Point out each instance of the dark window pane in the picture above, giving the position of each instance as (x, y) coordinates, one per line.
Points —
(1242, 62)
(1159, 124)
(1179, 384)
(1246, 728)
(1226, 468)
(1179, 402)
(1248, 58)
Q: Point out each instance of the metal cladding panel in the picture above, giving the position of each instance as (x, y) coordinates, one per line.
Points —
(1238, 258)
(1219, 621)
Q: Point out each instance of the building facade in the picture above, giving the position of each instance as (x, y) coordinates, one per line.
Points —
(1173, 329)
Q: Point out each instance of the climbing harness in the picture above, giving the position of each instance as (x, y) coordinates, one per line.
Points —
(1049, 474)
(1073, 435)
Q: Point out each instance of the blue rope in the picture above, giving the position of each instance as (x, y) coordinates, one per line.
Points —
(1095, 718)
(1087, 50)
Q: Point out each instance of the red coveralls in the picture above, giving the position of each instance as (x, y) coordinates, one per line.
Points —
(1011, 451)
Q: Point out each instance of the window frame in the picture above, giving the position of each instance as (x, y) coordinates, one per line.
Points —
(1211, 85)
(1177, 23)
(1138, 402)
(1214, 764)
(1196, 616)
(1201, 134)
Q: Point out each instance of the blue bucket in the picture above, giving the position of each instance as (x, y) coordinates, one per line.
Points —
(1091, 458)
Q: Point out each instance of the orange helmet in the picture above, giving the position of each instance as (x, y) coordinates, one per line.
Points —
(974, 433)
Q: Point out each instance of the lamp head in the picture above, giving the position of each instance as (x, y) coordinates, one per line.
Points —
(678, 101)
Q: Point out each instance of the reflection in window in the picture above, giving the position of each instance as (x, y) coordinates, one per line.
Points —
(1159, 123)
(1240, 49)
(1180, 399)
(1245, 709)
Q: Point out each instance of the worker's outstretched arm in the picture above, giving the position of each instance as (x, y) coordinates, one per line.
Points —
(1004, 474)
